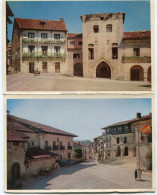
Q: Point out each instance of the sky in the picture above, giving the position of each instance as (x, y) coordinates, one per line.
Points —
(82, 117)
(137, 12)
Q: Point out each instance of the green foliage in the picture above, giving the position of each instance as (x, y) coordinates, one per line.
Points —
(78, 153)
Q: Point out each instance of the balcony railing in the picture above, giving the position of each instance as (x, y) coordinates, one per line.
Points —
(55, 147)
(47, 147)
(45, 41)
(140, 59)
(69, 147)
(49, 56)
(62, 147)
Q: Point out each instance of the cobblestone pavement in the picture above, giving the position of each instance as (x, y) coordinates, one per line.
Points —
(90, 175)
(51, 82)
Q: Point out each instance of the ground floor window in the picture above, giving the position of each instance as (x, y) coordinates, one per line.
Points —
(31, 67)
(44, 67)
(57, 67)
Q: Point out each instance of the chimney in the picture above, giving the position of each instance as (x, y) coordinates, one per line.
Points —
(138, 115)
(61, 19)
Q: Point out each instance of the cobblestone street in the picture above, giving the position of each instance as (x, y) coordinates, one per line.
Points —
(90, 175)
(51, 82)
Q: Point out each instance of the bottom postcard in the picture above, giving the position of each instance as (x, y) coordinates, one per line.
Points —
(82, 145)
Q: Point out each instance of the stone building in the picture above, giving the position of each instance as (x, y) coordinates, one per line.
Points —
(32, 147)
(39, 45)
(108, 52)
(120, 139)
(143, 142)
(75, 55)
(103, 50)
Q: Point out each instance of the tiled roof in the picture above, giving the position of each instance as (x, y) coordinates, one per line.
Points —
(137, 35)
(43, 128)
(130, 121)
(74, 35)
(35, 24)
(13, 135)
(13, 125)
(39, 153)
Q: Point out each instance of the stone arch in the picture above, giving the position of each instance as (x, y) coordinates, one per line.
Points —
(118, 153)
(149, 74)
(15, 171)
(149, 161)
(136, 73)
(78, 69)
(126, 151)
(103, 70)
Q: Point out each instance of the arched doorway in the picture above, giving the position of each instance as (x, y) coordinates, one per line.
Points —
(118, 151)
(136, 73)
(15, 171)
(126, 151)
(78, 70)
(149, 161)
(103, 70)
(149, 74)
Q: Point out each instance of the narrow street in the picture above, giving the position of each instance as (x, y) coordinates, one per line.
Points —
(90, 175)
(52, 82)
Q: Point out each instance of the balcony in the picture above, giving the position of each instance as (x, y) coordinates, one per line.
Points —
(69, 147)
(55, 147)
(62, 147)
(44, 41)
(136, 59)
(37, 57)
(47, 147)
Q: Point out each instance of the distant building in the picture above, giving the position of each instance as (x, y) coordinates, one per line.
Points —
(32, 147)
(84, 149)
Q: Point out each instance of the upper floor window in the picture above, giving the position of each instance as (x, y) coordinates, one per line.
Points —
(44, 35)
(44, 49)
(96, 28)
(125, 140)
(109, 28)
(90, 53)
(76, 55)
(80, 42)
(72, 42)
(42, 23)
(57, 139)
(117, 140)
(136, 51)
(31, 49)
(31, 35)
(56, 36)
(114, 52)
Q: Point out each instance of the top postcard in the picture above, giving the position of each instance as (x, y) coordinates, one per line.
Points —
(78, 46)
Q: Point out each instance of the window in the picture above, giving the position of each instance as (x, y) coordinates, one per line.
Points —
(108, 28)
(68, 143)
(96, 28)
(125, 140)
(15, 143)
(44, 49)
(117, 140)
(72, 42)
(80, 42)
(90, 53)
(32, 143)
(54, 143)
(31, 49)
(46, 144)
(42, 23)
(57, 70)
(114, 52)
(57, 50)
(76, 55)
(31, 35)
(108, 42)
(44, 65)
(44, 35)
(57, 139)
(56, 36)
(136, 51)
